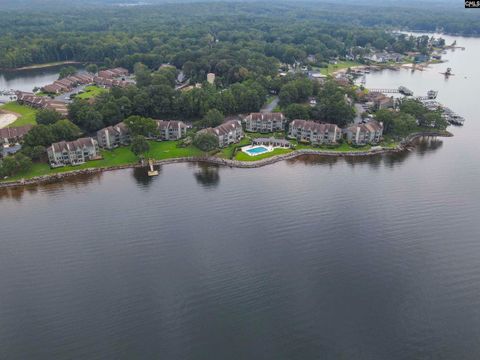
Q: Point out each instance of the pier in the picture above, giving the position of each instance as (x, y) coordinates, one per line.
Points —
(400, 90)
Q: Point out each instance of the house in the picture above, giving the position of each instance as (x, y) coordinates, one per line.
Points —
(211, 78)
(229, 132)
(171, 130)
(41, 102)
(68, 83)
(365, 133)
(109, 82)
(384, 57)
(9, 150)
(314, 132)
(113, 136)
(317, 76)
(73, 152)
(379, 101)
(113, 73)
(13, 135)
(265, 122)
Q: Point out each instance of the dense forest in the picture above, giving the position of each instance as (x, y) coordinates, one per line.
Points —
(217, 36)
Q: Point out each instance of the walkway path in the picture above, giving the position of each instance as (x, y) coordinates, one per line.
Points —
(270, 106)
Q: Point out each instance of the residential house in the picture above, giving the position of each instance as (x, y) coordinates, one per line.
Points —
(265, 122)
(68, 83)
(171, 130)
(113, 73)
(365, 133)
(229, 132)
(314, 132)
(73, 152)
(384, 57)
(113, 136)
(13, 135)
(109, 82)
(41, 102)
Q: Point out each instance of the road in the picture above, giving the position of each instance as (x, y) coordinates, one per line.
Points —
(270, 106)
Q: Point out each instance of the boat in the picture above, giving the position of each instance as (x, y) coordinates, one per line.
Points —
(448, 72)
(432, 94)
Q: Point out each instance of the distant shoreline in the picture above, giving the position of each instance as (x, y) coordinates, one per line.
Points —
(42, 66)
(405, 145)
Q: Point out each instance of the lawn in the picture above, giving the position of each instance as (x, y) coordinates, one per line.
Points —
(168, 149)
(228, 152)
(344, 147)
(241, 156)
(340, 65)
(91, 91)
(119, 156)
(27, 113)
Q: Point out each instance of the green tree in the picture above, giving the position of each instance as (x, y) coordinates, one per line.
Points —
(15, 164)
(297, 111)
(47, 116)
(143, 75)
(205, 141)
(67, 71)
(387, 117)
(65, 130)
(139, 125)
(140, 145)
(92, 68)
(212, 118)
(39, 135)
(35, 153)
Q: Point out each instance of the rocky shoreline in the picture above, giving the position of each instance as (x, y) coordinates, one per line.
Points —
(403, 146)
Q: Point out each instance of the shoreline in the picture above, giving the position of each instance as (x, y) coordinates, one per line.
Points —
(42, 66)
(405, 145)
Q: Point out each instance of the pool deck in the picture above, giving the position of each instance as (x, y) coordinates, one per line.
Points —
(246, 149)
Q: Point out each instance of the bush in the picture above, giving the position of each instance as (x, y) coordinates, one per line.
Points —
(205, 141)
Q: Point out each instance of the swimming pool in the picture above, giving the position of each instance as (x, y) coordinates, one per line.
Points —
(257, 150)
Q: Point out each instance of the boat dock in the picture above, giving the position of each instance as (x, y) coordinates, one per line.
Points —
(400, 90)
(448, 114)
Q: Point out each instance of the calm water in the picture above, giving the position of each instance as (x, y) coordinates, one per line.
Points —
(375, 258)
(26, 80)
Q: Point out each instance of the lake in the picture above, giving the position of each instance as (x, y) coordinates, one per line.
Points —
(26, 80)
(314, 258)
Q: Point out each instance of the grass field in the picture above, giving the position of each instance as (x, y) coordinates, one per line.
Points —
(27, 114)
(168, 150)
(340, 65)
(91, 91)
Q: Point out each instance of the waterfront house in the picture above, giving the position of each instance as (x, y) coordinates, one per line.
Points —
(73, 152)
(68, 83)
(228, 133)
(41, 102)
(384, 57)
(314, 132)
(365, 133)
(13, 135)
(265, 122)
(171, 130)
(113, 136)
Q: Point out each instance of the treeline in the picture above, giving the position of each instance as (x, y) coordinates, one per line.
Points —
(233, 40)
(155, 97)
